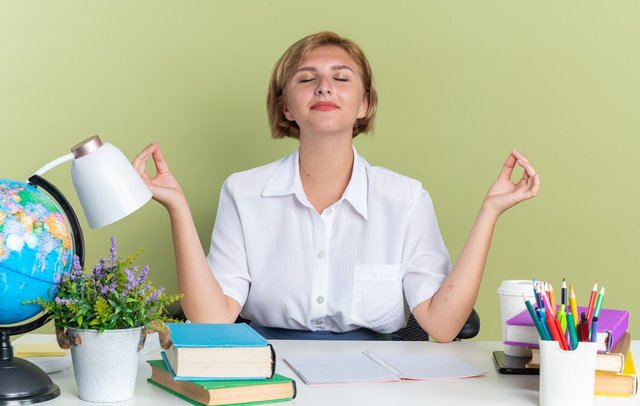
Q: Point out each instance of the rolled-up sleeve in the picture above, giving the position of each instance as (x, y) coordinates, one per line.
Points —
(227, 254)
(425, 257)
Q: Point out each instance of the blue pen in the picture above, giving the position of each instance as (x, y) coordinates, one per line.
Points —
(542, 302)
(594, 330)
(536, 295)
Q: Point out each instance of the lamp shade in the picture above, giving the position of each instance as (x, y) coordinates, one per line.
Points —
(107, 185)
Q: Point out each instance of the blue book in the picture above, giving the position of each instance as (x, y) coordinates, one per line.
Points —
(218, 351)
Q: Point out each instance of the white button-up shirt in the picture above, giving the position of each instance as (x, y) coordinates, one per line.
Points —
(359, 263)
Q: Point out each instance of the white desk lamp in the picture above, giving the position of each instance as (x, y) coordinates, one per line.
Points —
(107, 185)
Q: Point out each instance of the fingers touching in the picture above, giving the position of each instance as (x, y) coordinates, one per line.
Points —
(524, 188)
(529, 184)
(152, 150)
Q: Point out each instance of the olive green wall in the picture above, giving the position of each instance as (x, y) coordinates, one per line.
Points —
(460, 83)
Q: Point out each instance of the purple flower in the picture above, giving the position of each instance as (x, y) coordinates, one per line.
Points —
(132, 281)
(64, 302)
(144, 289)
(154, 296)
(143, 275)
(99, 271)
(107, 289)
(113, 250)
(76, 268)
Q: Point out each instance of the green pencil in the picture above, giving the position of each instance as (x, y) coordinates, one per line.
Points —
(596, 312)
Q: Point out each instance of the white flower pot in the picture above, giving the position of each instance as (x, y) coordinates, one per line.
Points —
(105, 364)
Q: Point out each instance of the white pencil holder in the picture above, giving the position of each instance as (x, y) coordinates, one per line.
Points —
(567, 377)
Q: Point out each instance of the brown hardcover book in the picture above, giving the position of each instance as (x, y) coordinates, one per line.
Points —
(223, 391)
(612, 361)
(622, 384)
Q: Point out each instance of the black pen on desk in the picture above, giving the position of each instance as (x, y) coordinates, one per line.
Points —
(563, 292)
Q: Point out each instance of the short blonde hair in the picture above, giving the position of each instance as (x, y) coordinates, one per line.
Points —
(288, 63)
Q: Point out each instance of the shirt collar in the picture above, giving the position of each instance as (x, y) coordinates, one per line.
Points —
(285, 180)
(358, 187)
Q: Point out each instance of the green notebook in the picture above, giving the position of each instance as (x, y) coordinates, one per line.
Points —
(224, 392)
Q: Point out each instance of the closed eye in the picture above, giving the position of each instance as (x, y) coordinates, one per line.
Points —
(306, 80)
(341, 79)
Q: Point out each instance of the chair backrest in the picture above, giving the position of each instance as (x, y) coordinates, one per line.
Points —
(413, 331)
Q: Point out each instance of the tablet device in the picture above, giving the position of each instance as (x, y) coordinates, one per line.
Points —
(507, 364)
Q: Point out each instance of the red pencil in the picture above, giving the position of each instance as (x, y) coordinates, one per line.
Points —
(555, 331)
(563, 339)
(592, 302)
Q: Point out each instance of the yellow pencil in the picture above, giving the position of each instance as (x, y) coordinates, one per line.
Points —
(573, 305)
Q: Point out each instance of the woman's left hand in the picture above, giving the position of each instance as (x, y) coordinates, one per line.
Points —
(504, 193)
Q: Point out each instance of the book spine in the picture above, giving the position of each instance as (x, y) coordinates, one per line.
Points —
(273, 363)
(607, 341)
(295, 389)
(618, 331)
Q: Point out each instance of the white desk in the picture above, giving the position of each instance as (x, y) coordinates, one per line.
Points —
(492, 389)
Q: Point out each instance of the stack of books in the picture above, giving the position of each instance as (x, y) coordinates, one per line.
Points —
(569, 324)
(220, 364)
(615, 370)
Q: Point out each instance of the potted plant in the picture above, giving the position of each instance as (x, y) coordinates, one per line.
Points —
(104, 317)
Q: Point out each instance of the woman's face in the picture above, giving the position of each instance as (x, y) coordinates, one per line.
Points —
(325, 95)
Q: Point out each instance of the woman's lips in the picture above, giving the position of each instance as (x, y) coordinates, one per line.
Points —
(324, 106)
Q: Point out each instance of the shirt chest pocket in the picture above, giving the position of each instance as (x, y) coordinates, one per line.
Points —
(377, 296)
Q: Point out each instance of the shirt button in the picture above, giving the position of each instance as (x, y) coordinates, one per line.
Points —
(321, 254)
(320, 299)
(318, 322)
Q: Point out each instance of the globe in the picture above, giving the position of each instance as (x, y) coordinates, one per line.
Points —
(36, 247)
(39, 235)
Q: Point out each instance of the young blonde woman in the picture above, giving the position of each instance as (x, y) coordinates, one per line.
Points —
(321, 244)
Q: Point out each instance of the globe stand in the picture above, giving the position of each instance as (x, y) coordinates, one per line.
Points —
(22, 382)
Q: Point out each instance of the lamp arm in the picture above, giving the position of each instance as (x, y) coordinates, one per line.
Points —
(54, 163)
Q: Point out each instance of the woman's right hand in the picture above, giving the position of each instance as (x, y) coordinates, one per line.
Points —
(164, 186)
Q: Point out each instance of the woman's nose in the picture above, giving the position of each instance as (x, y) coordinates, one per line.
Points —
(324, 87)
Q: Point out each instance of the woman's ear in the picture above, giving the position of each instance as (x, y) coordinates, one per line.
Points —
(364, 107)
(287, 114)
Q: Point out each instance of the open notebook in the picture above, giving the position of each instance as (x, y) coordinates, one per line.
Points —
(368, 366)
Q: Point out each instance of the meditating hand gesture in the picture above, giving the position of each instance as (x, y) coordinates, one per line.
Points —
(164, 186)
(504, 193)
